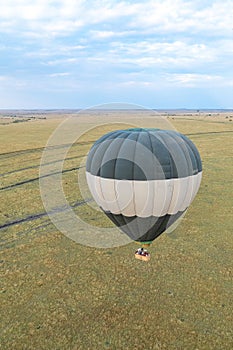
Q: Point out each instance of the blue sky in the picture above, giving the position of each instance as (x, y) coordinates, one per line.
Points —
(76, 54)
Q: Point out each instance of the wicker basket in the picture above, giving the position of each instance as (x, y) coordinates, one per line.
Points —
(142, 257)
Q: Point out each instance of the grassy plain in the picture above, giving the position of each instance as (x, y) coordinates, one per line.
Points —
(57, 294)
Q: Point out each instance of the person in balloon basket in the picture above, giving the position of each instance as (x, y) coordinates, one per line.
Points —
(141, 252)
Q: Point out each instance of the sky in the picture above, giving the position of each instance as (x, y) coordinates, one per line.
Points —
(78, 54)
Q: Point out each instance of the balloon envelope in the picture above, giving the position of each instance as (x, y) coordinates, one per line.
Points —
(143, 179)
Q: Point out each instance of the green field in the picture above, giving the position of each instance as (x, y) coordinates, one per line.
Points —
(57, 294)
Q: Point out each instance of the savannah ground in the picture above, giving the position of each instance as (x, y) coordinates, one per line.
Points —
(57, 294)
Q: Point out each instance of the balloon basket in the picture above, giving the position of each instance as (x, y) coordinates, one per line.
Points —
(141, 257)
(142, 254)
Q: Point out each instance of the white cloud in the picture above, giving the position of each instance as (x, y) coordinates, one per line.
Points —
(177, 16)
(3, 78)
(136, 83)
(192, 80)
(107, 34)
(62, 17)
(63, 61)
(61, 74)
(149, 55)
(10, 81)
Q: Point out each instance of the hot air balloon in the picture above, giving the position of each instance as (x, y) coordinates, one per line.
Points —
(143, 180)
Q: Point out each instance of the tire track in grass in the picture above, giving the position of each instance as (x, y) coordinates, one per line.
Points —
(8, 187)
(39, 149)
(36, 216)
(39, 165)
(9, 242)
(210, 132)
